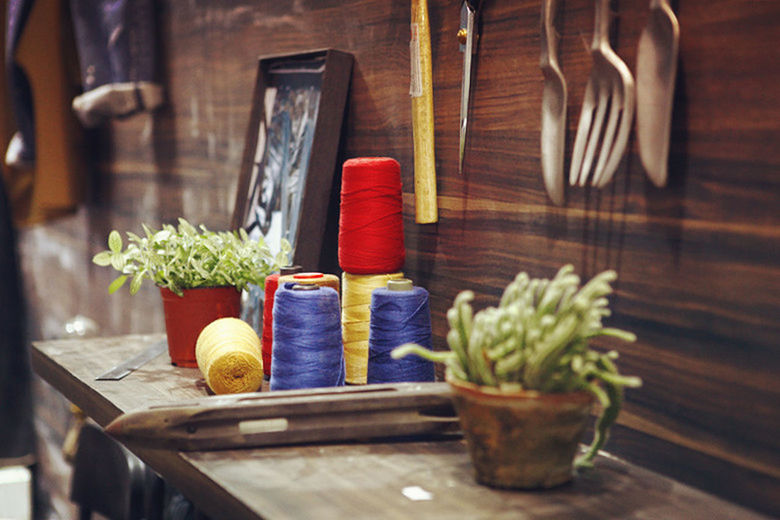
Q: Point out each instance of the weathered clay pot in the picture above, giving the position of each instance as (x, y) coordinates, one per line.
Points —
(186, 316)
(521, 439)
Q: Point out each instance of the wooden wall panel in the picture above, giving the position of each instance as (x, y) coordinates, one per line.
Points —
(698, 261)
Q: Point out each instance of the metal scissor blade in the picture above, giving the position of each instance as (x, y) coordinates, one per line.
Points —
(468, 15)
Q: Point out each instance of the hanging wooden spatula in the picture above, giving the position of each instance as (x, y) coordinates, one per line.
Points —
(656, 70)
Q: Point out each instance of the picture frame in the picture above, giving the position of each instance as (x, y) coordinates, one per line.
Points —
(292, 149)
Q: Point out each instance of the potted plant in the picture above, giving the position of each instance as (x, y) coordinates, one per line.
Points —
(200, 274)
(524, 377)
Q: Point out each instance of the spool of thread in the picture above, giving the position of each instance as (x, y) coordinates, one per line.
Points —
(307, 350)
(371, 233)
(321, 279)
(356, 320)
(229, 356)
(271, 284)
(290, 269)
(399, 314)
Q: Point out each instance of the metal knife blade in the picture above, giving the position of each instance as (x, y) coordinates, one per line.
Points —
(134, 363)
(553, 107)
(469, 28)
(656, 70)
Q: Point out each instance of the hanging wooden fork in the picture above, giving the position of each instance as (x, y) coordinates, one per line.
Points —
(610, 87)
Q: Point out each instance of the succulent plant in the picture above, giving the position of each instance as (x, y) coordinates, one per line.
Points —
(538, 339)
(188, 257)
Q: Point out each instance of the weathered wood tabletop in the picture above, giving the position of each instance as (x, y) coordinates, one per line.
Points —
(425, 479)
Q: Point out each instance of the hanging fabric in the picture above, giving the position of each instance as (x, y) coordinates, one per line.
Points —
(17, 439)
(44, 176)
(115, 40)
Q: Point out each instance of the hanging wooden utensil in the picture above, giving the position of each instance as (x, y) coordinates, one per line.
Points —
(421, 90)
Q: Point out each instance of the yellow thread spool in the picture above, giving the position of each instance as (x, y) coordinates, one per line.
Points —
(356, 318)
(321, 279)
(229, 356)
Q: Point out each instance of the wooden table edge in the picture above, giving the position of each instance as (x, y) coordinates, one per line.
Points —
(206, 494)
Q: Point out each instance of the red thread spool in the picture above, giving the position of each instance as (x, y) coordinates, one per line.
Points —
(371, 232)
(271, 284)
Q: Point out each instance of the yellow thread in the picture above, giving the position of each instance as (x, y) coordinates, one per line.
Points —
(229, 356)
(355, 320)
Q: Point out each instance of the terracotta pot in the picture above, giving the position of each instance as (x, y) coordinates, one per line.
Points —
(521, 439)
(186, 316)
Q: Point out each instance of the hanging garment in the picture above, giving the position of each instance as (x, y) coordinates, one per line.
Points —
(37, 49)
(116, 46)
(21, 150)
(115, 42)
(17, 439)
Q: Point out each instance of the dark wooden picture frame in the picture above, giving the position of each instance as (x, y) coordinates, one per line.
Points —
(334, 70)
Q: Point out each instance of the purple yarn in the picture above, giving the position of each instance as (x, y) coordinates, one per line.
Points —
(307, 348)
(398, 317)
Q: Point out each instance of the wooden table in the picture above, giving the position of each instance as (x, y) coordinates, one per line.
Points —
(403, 480)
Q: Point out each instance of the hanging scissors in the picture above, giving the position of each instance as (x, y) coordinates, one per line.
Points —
(467, 36)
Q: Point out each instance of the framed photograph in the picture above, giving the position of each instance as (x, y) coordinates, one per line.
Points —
(292, 149)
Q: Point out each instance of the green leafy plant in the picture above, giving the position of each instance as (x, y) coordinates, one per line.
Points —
(187, 257)
(538, 339)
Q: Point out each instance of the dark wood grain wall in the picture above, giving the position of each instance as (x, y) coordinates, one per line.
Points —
(698, 261)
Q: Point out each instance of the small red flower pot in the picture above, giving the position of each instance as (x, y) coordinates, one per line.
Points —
(186, 316)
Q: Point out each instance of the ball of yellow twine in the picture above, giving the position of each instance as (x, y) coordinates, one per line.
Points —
(229, 356)
(356, 318)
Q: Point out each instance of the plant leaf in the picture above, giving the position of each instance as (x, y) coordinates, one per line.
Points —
(189, 257)
(135, 283)
(115, 241)
(102, 259)
(118, 261)
(116, 284)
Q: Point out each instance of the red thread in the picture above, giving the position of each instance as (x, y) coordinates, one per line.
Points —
(307, 276)
(271, 284)
(371, 232)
